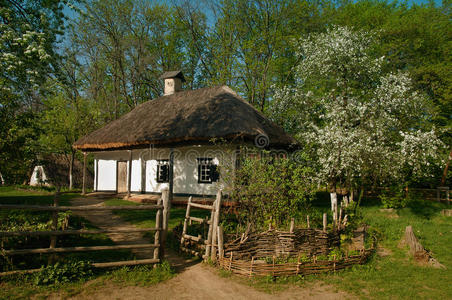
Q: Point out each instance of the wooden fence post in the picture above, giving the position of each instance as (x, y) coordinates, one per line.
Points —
(187, 217)
(129, 174)
(158, 227)
(53, 238)
(307, 221)
(292, 225)
(209, 233)
(216, 219)
(84, 174)
(220, 241)
(166, 215)
(324, 222)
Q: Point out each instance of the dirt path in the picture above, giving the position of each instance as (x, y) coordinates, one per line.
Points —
(105, 219)
(193, 281)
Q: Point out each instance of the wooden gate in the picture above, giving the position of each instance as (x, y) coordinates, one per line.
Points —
(214, 238)
(122, 177)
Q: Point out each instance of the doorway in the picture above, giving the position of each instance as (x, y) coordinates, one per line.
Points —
(122, 177)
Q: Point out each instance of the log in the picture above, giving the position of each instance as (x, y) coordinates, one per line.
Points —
(79, 208)
(202, 206)
(187, 218)
(126, 263)
(158, 224)
(220, 241)
(197, 239)
(71, 232)
(97, 265)
(418, 251)
(216, 220)
(78, 249)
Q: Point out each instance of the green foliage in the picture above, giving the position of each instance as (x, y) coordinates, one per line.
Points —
(269, 187)
(397, 197)
(142, 275)
(64, 273)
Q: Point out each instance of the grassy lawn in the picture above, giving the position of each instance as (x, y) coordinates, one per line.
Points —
(395, 274)
(146, 218)
(19, 287)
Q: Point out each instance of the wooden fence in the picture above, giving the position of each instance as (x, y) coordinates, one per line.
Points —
(160, 229)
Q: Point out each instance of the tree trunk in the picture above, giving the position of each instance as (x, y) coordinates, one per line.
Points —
(71, 168)
(443, 179)
(333, 197)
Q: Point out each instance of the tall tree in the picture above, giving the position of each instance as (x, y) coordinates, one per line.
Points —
(362, 124)
(28, 38)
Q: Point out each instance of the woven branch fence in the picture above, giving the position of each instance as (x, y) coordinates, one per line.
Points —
(283, 243)
(261, 268)
(249, 255)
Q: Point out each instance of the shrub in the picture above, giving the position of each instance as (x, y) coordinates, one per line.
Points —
(267, 187)
(63, 273)
(397, 197)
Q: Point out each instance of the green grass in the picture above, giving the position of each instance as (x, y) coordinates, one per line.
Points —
(146, 218)
(396, 276)
(20, 287)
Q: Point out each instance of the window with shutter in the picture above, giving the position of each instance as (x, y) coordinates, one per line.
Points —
(163, 170)
(207, 171)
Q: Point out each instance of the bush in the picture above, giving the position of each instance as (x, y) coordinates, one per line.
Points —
(63, 273)
(397, 197)
(267, 187)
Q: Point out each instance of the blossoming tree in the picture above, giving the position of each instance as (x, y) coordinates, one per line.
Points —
(361, 125)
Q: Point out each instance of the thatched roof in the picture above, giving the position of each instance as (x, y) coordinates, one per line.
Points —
(187, 117)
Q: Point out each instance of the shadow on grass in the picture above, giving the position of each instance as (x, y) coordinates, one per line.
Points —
(425, 209)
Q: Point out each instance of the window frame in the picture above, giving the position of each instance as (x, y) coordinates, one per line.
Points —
(205, 162)
(160, 163)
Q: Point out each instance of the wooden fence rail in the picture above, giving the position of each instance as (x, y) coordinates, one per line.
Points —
(160, 229)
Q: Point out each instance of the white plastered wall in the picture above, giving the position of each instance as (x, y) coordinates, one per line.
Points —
(185, 168)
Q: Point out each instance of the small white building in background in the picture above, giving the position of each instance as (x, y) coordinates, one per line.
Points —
(39, 177)
(178, 141)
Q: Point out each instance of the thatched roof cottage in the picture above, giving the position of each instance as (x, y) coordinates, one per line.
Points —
(167, 142)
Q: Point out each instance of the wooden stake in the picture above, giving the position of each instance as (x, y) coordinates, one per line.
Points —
(129, 174)
(251, 267)
(220, 241)
(166, 215)
(307, 221)
(209, 233)
(158, 226)
(213, 255)
(324, 222)
(187, 218)
(84, 174)
(292, 224)
(171, 174)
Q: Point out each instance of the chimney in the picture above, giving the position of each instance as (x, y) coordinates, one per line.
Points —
(173, 82)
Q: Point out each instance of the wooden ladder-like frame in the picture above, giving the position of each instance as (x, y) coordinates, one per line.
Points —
(215, 234)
